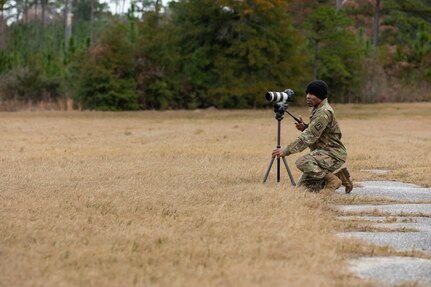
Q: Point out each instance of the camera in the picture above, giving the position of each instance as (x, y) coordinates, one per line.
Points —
(283, 97)
(280, 99)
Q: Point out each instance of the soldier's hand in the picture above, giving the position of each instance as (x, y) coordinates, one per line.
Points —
(301, 126)
(278, 152)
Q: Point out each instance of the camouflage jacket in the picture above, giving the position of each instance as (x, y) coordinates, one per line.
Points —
(322, 133)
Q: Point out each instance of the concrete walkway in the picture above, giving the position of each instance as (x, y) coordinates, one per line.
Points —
(394, 270)
(414, 218)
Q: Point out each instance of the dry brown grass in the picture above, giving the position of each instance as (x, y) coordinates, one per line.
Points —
(175, 198)
(355, 248)
(363, 225)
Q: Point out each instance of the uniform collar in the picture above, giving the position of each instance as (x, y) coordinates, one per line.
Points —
(323, 102)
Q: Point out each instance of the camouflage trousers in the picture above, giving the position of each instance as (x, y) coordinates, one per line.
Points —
(314, 167)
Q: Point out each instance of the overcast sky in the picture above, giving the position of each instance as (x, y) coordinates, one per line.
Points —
(113, 6)
(122, 9)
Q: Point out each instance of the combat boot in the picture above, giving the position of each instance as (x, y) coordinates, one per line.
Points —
(346, 181)
(331, 183)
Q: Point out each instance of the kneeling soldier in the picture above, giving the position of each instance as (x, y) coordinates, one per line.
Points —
(323, 136)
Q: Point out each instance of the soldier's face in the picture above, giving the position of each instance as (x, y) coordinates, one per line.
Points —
(312, 100)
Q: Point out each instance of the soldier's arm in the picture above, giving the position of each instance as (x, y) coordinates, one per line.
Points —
(311, 134)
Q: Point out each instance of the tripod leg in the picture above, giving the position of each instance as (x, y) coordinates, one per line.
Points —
(278, 169)
(288, 171)
(269, 169)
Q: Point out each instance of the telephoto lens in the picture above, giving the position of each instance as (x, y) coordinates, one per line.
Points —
(286, 96)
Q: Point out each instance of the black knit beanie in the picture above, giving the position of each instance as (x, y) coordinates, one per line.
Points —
(318, 88)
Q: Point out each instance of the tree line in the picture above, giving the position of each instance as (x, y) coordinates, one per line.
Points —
(201, 53)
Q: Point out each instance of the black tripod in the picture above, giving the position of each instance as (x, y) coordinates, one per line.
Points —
(279, 109)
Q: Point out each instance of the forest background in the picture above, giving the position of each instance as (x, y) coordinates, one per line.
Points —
(189, 54)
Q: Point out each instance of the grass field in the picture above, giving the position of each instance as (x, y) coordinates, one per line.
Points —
(176, 198)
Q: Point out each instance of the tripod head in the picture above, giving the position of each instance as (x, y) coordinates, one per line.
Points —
(279, 109)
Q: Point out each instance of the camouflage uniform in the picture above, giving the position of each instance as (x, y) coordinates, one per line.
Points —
(323, 137)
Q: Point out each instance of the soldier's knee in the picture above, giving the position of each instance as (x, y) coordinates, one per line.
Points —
(303, 161)
(299, 163)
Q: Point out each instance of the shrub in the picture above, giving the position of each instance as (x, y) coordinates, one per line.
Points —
(104, 75)
(29, 86)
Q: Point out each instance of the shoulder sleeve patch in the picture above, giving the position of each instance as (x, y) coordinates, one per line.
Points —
(318, 126)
